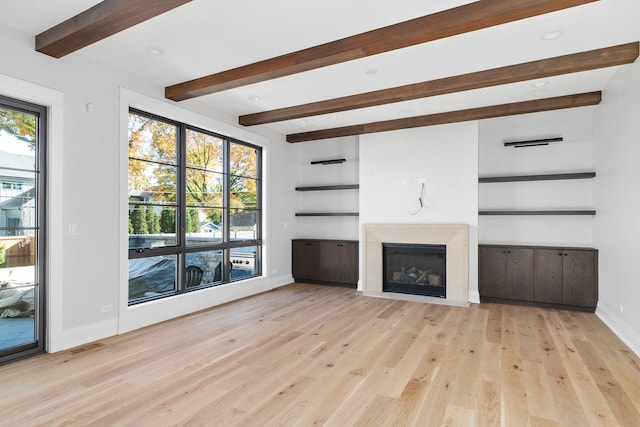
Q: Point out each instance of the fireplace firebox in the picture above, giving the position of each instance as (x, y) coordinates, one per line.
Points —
(415, 269)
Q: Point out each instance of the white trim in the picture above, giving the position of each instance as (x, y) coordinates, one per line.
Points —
(619, 327)
(88, 333)
(474, 296)
(141, 315)
(54, 101)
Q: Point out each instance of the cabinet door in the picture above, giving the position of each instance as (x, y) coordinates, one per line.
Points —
(348, 264)
(304, 254)
(547, 264)
(520, 274)
(327, 261)
(579, 278)
(493, 272)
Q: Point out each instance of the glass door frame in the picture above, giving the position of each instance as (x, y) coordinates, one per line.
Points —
(40, 269)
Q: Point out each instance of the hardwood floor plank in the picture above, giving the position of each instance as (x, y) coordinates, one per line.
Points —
(306, 355)
(622, 406)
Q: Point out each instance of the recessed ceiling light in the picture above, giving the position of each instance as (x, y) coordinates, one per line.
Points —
(254, 98)
(155, 50)
(303, 122)
(540, 84)
(551, 35)
(371, 72)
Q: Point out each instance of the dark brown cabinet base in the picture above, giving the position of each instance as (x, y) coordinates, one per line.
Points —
(332, 262)
(551, 276)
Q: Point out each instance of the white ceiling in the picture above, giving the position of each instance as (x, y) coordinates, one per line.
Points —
(204, 37)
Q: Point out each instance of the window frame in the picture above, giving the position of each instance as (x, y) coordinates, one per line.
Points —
(41, 229)
(181, 248)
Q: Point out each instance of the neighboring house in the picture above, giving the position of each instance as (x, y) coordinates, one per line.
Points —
(208, 227)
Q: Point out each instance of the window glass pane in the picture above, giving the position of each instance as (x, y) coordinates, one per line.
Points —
(152, 182)
(243, 161)
(243, 262)
(243, 224)
(153, 276)
(17, 258)
(152, 226)
(151, 139)
(17, 199)
(17, 139)
(244, 193)
(204, 151)
(204, 225)
(204, 188)
(203, 268)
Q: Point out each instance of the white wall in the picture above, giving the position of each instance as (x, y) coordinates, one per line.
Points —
(392, 164)
(616, 228)
(89, 265)
(574, 154)
(325, 201)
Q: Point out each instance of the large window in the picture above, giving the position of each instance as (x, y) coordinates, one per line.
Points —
(194, 208)
(22, 233)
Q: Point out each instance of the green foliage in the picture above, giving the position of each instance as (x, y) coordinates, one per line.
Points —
(130, 226)
(22, 125)
(139, 221)
(153, 223)
(167, 221)
(3, 255)
(193, 222)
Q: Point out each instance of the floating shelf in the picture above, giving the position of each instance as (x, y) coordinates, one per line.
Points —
(328, 162)
(557, 212)
(327, 214)
(546, 177)
(329, 187)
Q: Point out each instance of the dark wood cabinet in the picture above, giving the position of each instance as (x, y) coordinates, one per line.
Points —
(579, 278)
(325, 261)
(304, 256)
(506, 272)
(546, 275)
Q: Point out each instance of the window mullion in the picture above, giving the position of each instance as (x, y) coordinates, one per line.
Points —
(182, 205)
(226, 203)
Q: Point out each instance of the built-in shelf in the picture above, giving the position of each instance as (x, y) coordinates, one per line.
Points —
(539, 212)
(327, 214)
(329, 187)
(545, 177)
(328, 162)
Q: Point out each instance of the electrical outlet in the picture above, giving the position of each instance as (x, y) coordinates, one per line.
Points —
(73, 229)
(422, 180)
(107, 308)
(620, 308)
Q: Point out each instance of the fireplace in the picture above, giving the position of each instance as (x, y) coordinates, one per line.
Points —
(454, 236)
(416, 269)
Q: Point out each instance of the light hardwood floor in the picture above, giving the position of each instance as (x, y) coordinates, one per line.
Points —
(310, 355)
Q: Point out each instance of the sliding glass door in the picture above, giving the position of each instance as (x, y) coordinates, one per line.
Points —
(22, 148)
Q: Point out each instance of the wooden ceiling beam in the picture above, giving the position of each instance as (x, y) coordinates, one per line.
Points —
(533, 106)
(99, 22)
(583, 61)
(462, 19)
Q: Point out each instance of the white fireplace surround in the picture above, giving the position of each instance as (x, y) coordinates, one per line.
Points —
(454, 236)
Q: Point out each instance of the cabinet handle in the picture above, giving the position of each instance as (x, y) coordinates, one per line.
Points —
(504, 252)
(566, 254)
(508, 252)
(560, 254)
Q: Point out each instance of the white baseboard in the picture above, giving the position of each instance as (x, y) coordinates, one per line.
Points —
(277, 282)
(619, 327)
(88, 333)
(474, 297)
